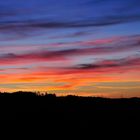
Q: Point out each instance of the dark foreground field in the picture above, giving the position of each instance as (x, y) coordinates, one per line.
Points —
(29, 106)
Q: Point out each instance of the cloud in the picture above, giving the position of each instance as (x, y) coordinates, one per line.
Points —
(20, 22)
(99, 67)
(28, 28)
(72, 35)
(98, 21)
(126, 62)
(97, 47)
(12, 58)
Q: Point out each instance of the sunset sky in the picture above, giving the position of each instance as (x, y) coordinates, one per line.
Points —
(79, 47)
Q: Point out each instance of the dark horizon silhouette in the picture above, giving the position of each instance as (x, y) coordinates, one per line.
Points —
(30, 105)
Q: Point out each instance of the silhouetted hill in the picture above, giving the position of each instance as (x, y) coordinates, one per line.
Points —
(29, 105)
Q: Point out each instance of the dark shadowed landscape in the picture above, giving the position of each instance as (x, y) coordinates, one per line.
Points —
(31, 106)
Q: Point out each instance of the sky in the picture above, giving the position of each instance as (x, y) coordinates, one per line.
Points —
(78, 47)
